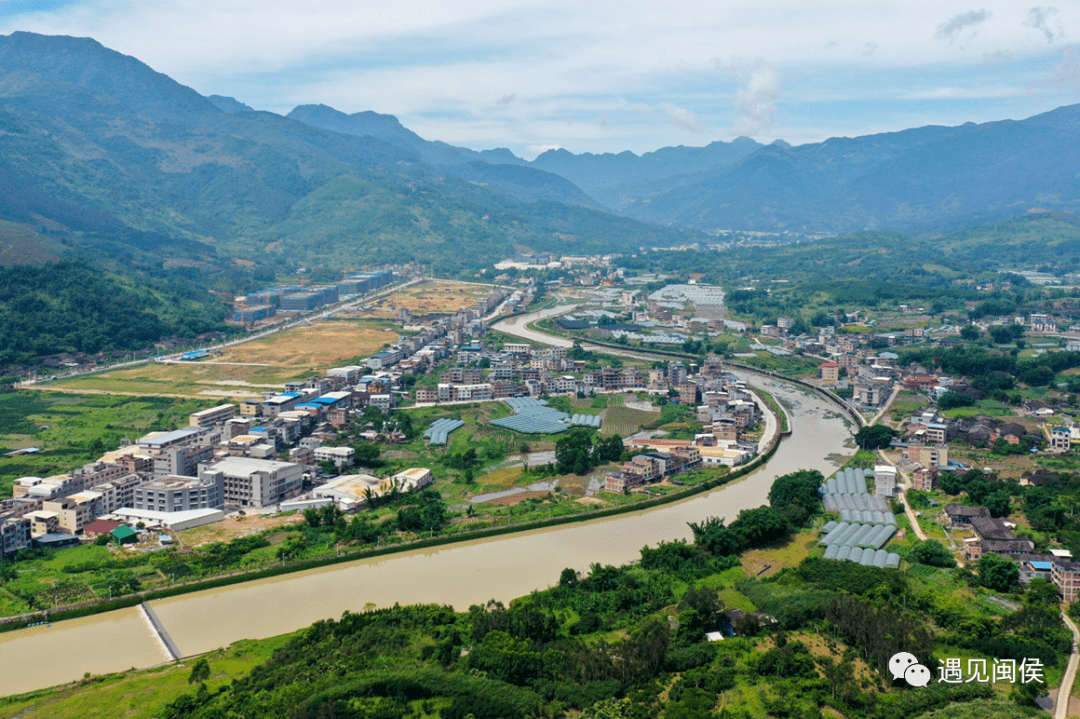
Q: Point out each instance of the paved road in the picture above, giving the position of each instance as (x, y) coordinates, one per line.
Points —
(1061, 704)
(517, 326)
(905, 483)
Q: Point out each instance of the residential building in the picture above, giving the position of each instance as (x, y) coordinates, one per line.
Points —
(925, 454)
(75, 512)
(925, 479)
(829, 372)
(210, 417)
(1060, 439)
(15, 534)
(340, 456)
(961, 516)
(1065, 574)
(119, 492)
(43, 522)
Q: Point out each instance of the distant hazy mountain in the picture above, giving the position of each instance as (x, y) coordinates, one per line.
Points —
(229, 104)
(98, 150)
(919, 179)
(616, 180)
(513, 177)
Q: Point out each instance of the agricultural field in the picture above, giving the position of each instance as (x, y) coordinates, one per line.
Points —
(249, 369)
(430, 296)
(73, 429)
(624, 421)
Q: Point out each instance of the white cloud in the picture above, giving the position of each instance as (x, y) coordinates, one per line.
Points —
(1066, 71)
(997, 57)
(541, 149)
(952, 28)
(541, 72)
(755, 101)
(1041, 19)
(682, 118)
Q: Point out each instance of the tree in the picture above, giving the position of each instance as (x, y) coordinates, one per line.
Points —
(998, 573)
(799, 489)
(999, 503)
(934, 553)
(952, 400)
(760, 526)
(716, 539)
(876, 436)
(574, 451)
(367, 454)
(969, 333)
(200, 672)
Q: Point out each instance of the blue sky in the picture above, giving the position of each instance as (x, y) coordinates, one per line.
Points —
(600, 75)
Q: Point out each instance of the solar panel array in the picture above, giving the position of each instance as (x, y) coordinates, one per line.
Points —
(440, 429)
(865, 525)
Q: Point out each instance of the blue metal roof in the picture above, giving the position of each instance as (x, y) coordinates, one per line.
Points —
(1044, 566)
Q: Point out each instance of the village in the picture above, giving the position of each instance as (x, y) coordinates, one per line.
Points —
(449, 383)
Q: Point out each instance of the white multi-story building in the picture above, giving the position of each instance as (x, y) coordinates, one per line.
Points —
(340, 456)
(256, 482)
(182, 494)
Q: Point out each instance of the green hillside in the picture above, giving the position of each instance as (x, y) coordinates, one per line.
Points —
(103, 153)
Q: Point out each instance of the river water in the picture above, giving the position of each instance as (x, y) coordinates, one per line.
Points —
(459, 575)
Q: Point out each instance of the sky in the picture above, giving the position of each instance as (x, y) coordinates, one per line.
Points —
(600, 75)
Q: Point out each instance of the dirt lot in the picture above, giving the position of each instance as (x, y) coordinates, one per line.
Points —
(234, 527)
(249, 369)
(513, 499)
(317, 346)
(427, 297)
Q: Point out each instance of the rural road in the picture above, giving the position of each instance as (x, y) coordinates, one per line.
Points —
(1061, 704)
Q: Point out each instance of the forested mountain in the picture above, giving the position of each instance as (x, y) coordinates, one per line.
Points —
(914, 180)
(72, 307)
(103, 153)
(1037, 239)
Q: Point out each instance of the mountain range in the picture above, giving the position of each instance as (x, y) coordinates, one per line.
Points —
(100, 153)
(926, 179)
(103, 155)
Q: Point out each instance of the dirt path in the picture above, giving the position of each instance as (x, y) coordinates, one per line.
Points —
(72, 390)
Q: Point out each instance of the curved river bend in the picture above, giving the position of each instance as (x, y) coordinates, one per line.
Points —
(459, 575)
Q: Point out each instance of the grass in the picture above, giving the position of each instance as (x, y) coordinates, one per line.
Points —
(771, 559)
(982, 406)
(73, 429)
(138, 694)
